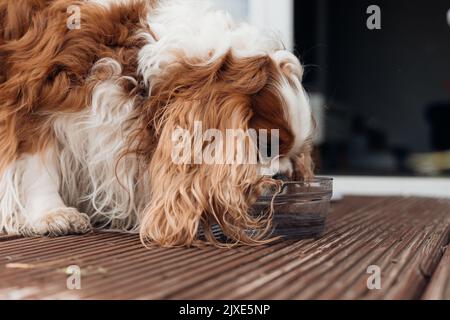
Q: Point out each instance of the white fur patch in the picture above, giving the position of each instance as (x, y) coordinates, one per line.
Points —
(108, 3)
(12, 208)
(95, 176)
(193, 29)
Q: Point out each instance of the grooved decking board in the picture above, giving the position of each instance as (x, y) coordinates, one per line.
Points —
(439, 286)
(405, 237)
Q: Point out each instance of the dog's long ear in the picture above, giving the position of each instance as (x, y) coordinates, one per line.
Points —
(188, 194)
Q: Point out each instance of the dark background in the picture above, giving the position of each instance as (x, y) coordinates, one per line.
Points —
(387, 92)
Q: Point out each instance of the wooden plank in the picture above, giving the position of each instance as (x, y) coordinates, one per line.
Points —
(403, 236)
(439, 286)
(6, 237)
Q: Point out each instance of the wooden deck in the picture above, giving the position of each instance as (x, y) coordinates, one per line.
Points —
(405, 237)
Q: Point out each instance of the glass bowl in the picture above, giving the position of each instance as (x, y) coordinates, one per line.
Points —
(300, 209)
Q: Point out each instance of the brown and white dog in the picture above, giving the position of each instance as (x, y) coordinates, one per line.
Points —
(87, 116)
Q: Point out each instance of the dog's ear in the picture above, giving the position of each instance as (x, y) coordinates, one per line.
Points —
(186, 194)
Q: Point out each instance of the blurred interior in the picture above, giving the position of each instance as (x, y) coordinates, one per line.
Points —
(381, 97)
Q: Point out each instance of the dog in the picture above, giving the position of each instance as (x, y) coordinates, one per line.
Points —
(91, 93)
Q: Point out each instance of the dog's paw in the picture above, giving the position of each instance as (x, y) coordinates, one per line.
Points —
(61, 222)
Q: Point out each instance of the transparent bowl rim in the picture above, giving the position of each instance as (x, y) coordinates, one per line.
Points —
(316, 179)
(325, 192)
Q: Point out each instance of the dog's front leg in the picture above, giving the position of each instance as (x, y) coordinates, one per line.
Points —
(46, 213)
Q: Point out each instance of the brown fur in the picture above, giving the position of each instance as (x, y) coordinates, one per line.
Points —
(46, 69)
(46, 66)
